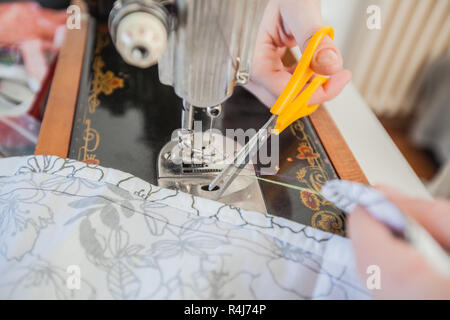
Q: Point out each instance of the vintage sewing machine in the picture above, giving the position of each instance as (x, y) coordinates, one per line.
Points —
(204, 48)
(111, 105)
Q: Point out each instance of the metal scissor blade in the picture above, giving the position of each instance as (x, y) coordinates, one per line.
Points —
(226, 177)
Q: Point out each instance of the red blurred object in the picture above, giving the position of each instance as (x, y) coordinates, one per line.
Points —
(36, 33)
(38, 106)
(26, 21)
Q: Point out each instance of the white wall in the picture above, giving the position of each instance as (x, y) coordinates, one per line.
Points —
(341, 14)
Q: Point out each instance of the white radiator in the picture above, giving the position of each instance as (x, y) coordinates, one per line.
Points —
(387, 63)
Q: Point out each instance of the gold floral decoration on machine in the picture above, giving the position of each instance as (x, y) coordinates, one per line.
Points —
(313, 177)
(102, 83)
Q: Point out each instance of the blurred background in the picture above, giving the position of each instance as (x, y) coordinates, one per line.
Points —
(30, 38)
(401, 69)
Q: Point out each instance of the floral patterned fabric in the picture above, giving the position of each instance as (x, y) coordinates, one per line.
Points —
(133, 240)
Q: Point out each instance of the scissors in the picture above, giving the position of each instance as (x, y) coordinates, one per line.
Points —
(291, 105)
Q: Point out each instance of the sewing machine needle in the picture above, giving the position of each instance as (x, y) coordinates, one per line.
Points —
(211, 125)
(227, 176)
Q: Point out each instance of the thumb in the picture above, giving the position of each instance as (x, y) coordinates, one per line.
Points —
(302, 19)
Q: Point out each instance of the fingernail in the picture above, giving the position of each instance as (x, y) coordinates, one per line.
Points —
(347, 195)
(326, 57)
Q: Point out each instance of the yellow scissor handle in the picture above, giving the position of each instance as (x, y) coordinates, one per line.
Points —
(293, 103)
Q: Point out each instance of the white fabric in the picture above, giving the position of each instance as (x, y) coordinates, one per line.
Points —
(133, 240)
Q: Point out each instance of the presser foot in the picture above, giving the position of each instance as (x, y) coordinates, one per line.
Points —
(191, 169)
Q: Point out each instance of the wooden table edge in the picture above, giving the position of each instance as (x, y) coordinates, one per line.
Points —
(56, 129)
(338, 151)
